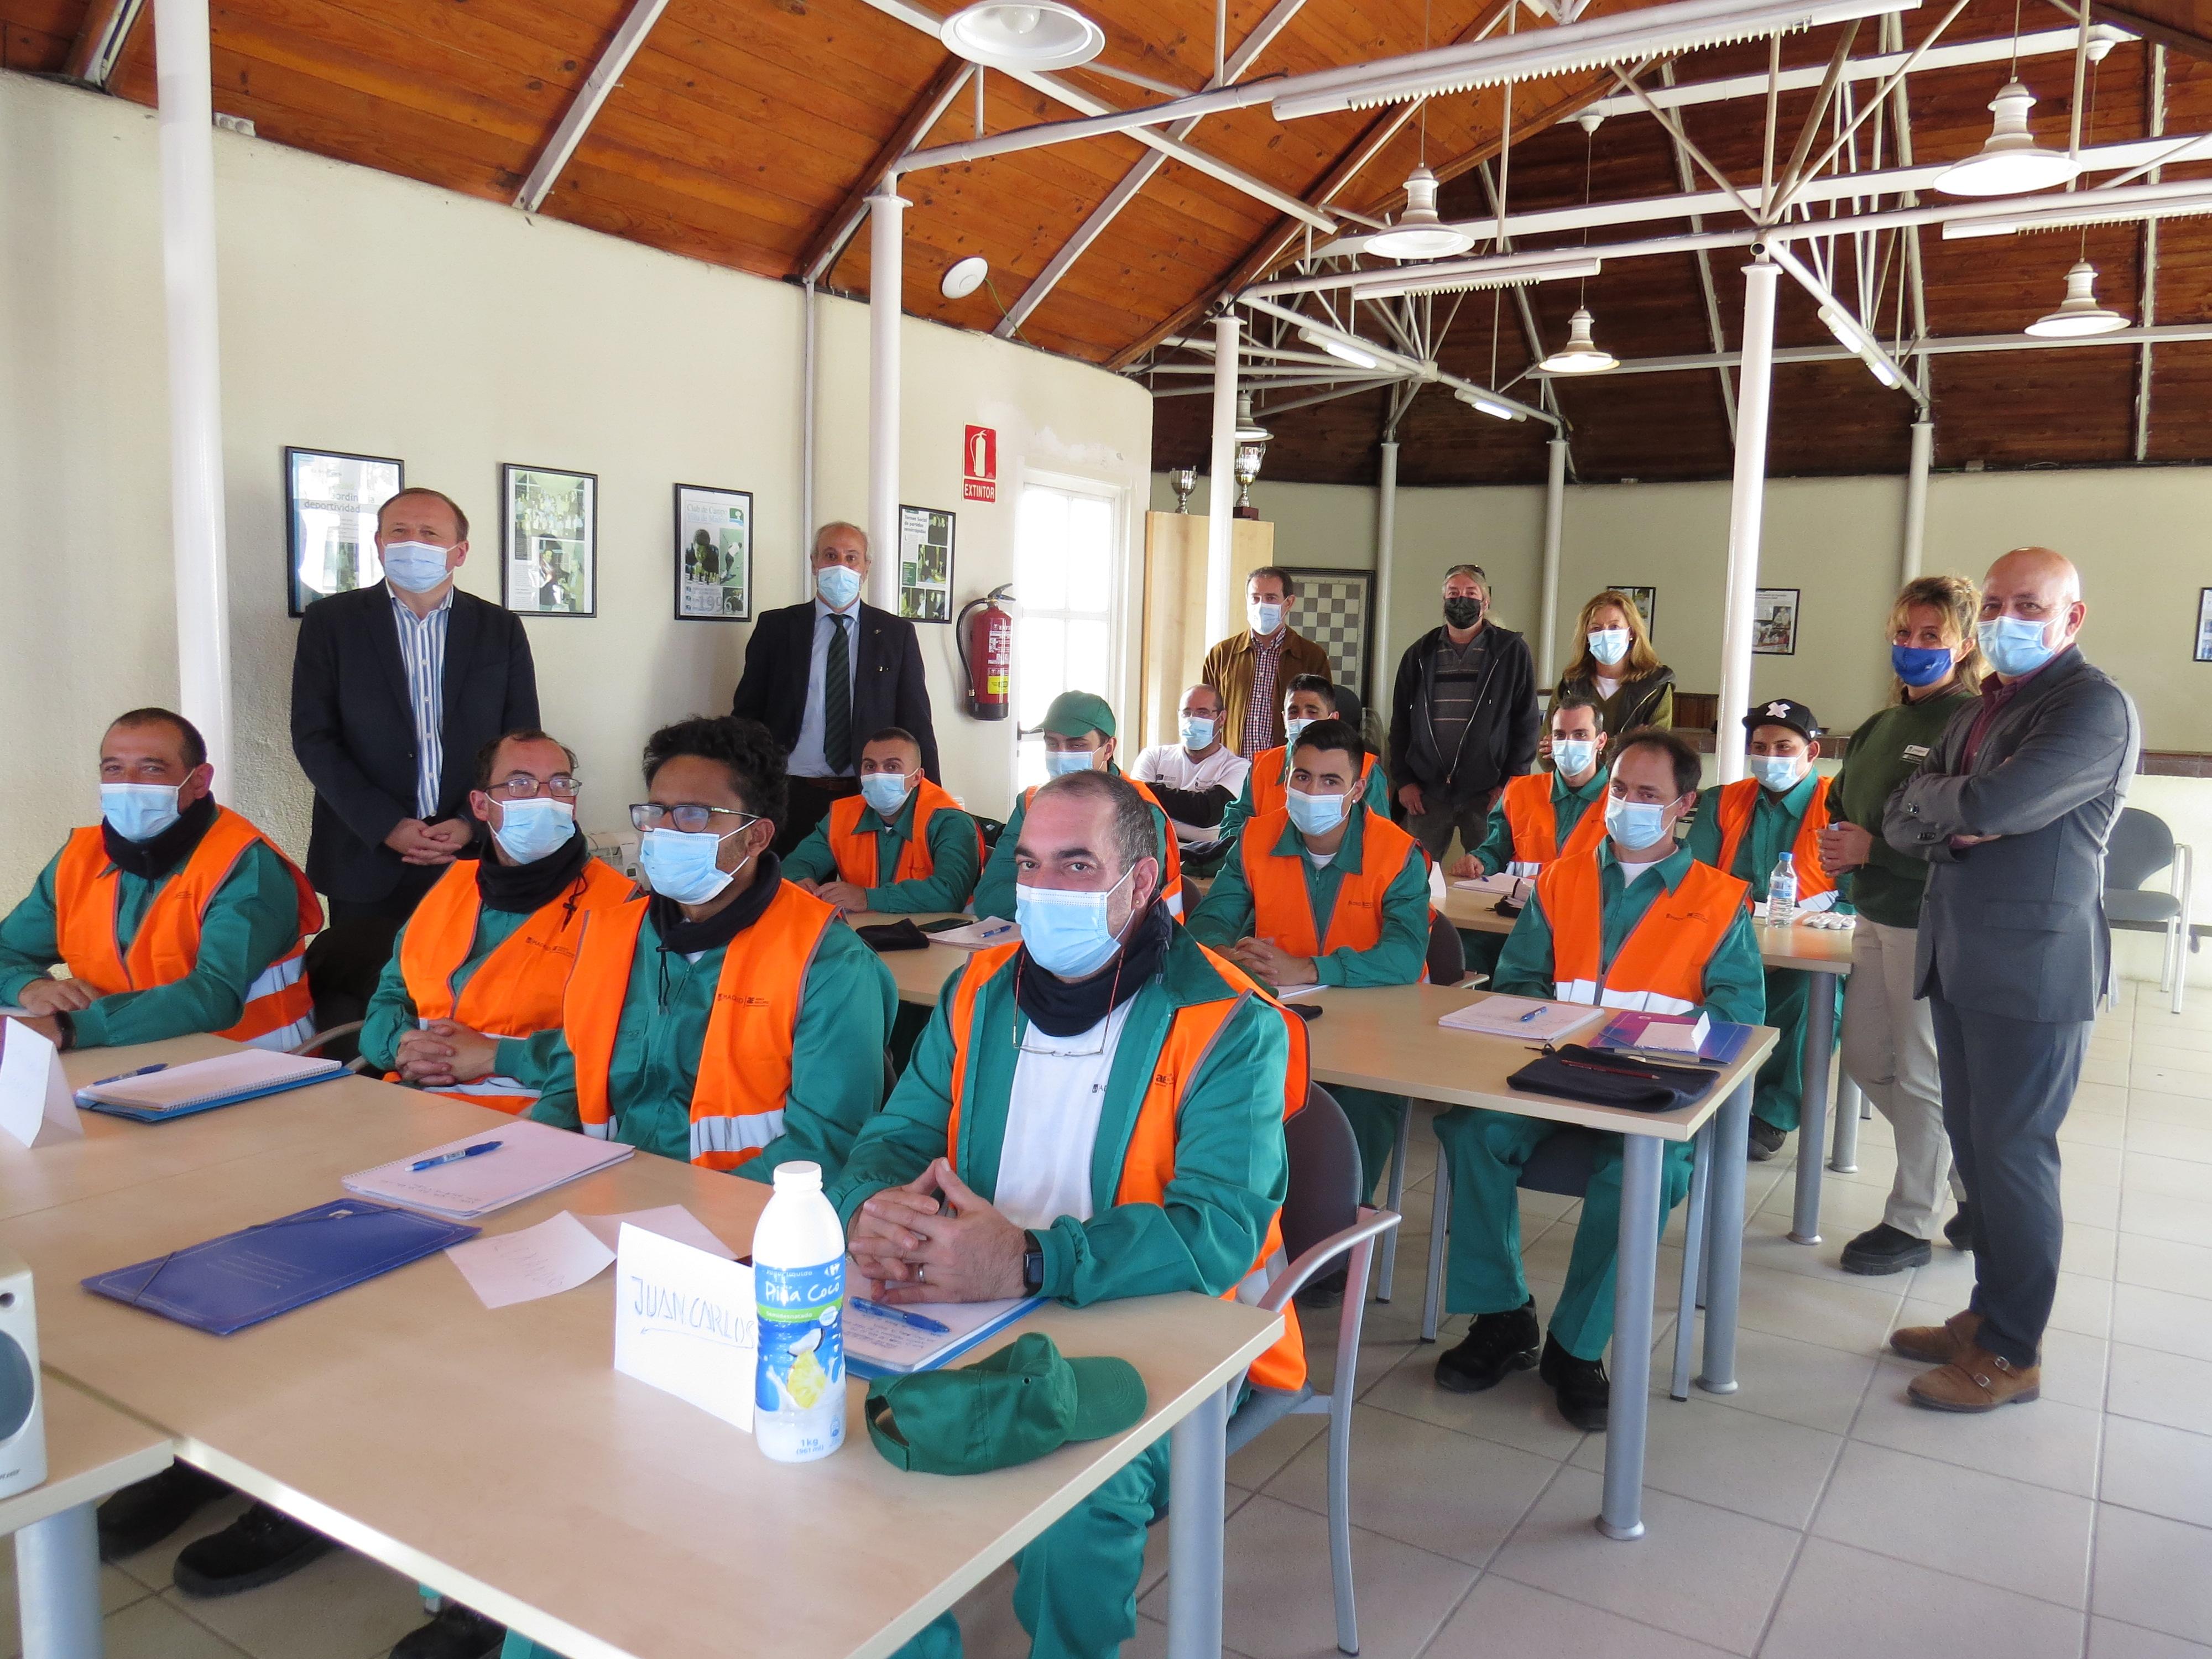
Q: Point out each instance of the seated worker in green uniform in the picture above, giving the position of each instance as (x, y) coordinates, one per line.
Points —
(901, 845)
(1594, 931)
(1094, 1113)
(1306, 698)
(1743, 829)
(1326, 891)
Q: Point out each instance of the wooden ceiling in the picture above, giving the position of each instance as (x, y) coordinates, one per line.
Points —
(744, 129)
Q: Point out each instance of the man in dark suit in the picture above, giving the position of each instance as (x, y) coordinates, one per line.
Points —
(823, 675)
(2013, 810)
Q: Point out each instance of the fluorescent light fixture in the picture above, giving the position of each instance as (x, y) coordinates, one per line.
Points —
(1396, 285)
(1039, 34)
(963, 277)
(2082, 208)
(1489, 404)
(2011, 161)
(1625, 37)
(1342, 351)
(1881, 370)
(2079, 314)
(1419, 234)
(1581, 354)
(1845, 329)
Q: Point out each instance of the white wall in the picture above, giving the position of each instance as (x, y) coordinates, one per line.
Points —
(365, 313)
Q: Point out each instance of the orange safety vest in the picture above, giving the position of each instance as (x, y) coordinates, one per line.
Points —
(517, 990)
(1282, 903)
(280, 1011)
(1171, 877)
(744, 1078)
(1737, 802)
(856, 853)
(1271, 780)
(1148, 1163)
(1534, 818)
(1661, 968)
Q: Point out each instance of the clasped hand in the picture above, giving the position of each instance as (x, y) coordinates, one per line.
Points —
(935, 1240)
(443, 1052)
(1264, 959)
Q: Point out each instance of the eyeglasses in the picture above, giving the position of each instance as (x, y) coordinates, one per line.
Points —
(691, 818)
(522, 787)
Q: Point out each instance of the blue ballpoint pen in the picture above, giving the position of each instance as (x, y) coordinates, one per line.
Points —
(917, 1321)
(1530, 1015)
(422, 1165)
(122, 1076)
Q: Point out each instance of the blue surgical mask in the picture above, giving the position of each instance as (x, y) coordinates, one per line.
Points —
(1291, 730)
(885, 792)
(2015, 646)
(418, 566)
(529, 830)
(1264, 616)
(1058, 762)
(1635, 825)
(1315, 815)
(139, 811)
(1064, 929)
(839, 585)
(680, 865)
(1777, 772)
(1609, 645)
(1197, 732)
(1573, 756)
(1920, 664)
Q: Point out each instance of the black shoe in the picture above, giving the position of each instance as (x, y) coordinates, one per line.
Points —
(1885, 1249)
(1583, 1392)
(457, 1632)
(1495, 1344)
(1959, 1230)
(145, 1512)
(1326, 1292)
(259, 1547)
(1766, 1140)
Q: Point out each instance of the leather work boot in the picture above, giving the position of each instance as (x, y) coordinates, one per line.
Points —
(1937, 1344)
(1977, 1381)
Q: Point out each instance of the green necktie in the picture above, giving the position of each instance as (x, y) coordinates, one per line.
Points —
(837, 702)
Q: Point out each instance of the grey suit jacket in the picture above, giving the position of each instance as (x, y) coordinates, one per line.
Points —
(2017, 926)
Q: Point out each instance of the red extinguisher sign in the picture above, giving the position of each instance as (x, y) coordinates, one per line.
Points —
(979, 464)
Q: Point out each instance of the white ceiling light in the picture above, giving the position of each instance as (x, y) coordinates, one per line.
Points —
(1343, 350)
(1581, 354)
(1419, 234)
(1249, 429)
(2079, 314)
(1039, 34)
(1488, 404)
(963, 277)
(1556, 271)
(2011, 161)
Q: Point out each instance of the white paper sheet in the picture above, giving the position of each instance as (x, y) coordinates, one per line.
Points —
(979, 935)
(670, 1221)
(36, 1106)
(553, 1256)
(685, 1322)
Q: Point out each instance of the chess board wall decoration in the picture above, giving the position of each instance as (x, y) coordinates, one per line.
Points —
(1336, 609)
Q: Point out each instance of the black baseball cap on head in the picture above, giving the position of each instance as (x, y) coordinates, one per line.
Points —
(1783, 711)
(1008, 1407)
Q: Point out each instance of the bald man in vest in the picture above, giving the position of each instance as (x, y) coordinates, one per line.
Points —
(173, 915)
(1326, 891)
(1094, 1113)
(902, 845)
(1743, 828)
(1306, 699)
(1594, 931)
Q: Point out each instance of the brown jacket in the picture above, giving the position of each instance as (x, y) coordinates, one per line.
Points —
(1229, 669)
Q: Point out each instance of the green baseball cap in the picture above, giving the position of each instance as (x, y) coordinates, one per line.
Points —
(1078, 714)
(1014, 1405)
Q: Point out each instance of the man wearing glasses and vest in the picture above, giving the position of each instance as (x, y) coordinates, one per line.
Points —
(1326, 891)
(1634, 923)
(1308, 698)
(902, 845)
(470, 1004)
(1094, 1113)
(1743, 828)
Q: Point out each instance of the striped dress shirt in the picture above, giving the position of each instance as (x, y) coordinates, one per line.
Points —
(422, 653)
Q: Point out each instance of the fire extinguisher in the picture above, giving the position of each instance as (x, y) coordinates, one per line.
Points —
(987, 642)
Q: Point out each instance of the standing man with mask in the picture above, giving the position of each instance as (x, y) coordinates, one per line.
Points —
(902, 845)
(2012, 813)
(1201, 761)
(1462, 717)
(822, 674)
(1247, 670)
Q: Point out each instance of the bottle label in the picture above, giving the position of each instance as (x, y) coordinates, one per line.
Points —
(802, 1335)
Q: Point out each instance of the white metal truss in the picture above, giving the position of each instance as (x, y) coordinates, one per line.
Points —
(580, 114)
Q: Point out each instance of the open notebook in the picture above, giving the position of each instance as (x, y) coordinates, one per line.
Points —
(532, 1158)
(201, 1085)
(895, 1341)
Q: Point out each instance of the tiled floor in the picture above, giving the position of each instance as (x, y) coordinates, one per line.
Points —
(1812, 1514)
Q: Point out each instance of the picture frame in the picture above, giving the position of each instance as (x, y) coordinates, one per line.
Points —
(1646, 601)
(714, 554)
(2204, 624)
(925, 566)
(548, 541)
(1335, 608)
(332, 499)
(1774, 623)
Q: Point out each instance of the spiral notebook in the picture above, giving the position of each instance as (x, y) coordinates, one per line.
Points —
(532, 1158)
(201, 1085)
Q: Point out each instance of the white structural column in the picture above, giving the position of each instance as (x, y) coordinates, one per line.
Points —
(1747, 508)
(809, 342)
(1386, 536)
(1916, 500)
(1555, 507)
(1221, 483)
(886, 283)
(188, 146)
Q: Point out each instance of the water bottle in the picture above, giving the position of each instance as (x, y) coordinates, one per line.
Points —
(1782, 892)
(798, 1286)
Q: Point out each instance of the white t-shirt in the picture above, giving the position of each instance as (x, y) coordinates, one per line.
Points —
(1052, 1122)
(1630, 872)
(1170, 763)
(1605, 687)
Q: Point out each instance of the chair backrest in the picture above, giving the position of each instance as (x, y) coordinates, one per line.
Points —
(992, 829)
(1562, 1163)
(1323, 1197)
(1446, 955)
(2139, 848)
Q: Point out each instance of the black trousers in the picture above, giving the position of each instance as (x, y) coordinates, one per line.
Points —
(345, 961)
(2006, 1083)
(810, 801)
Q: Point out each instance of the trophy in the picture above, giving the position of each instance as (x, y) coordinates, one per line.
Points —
(1248, 470)
(1183, 479)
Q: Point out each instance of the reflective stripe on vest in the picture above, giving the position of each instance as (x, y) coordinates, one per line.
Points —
(1661, 966)
(1271, 780)
(1739, 800)
(1534, 818)
(1171, 877)
(1282, 901)
(278, 1009)
(856, 853)
(744, 1076)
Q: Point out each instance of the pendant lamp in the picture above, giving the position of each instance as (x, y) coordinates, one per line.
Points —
(1581, 354)
(2079, 314)
(2011, 161)
(1419, 234)
(1039, 35)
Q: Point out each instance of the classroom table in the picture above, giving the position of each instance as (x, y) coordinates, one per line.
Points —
(497, 1456)
(1387, 1038)
(92, 1449)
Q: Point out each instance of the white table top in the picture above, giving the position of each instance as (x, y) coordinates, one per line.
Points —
(92, 1449)
(1815, 950)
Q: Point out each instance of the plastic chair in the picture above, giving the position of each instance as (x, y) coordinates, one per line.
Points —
(1323, 1221)
(2140, 847)
(1446, 955)
(356, 1064)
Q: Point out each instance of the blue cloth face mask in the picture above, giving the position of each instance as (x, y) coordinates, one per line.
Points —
(679, 865)
(1058, 762)
(1609, 645)
(1920, 664)
(885, 792)
(139, 811)
(529, 830)
(1197, 732)
(1635, 825)
(1065, 930)
(1776, 772)
(839, 585)
(1572, 757)
(418, 566)
(2015, 646)
(1315, 815)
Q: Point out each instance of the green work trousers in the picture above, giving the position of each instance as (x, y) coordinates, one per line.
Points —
(1374, 1120)
(1779, 1093)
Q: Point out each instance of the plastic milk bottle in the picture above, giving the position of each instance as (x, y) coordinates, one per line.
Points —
(799, 1282)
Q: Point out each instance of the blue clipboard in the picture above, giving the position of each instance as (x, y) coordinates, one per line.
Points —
(243, 1277)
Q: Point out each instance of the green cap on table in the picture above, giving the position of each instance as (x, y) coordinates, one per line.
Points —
(1007, 1408)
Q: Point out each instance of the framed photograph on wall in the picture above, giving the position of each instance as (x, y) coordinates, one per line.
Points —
(1336, 609)
(550, 540)
(1646, 601)
(714, 554)
(926, 564)
(2204, 624)
(330, 503)
(1774, 623)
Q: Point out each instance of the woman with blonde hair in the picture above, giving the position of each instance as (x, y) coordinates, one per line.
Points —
(1889, 1039)
(1616, 668)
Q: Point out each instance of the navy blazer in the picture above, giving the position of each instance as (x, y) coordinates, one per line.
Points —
(888, 686)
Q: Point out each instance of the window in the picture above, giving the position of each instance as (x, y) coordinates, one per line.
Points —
(1065, 565)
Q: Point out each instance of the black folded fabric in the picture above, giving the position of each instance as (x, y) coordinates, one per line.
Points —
(1574, 1072)
(904, 935)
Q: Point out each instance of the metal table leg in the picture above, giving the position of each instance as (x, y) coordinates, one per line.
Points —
(1633, 1290)
(1725, 1241)
(1386, 1274)
(57, 1582)
(1812, 1121)
(1850, 1106)
(1432, 1295)
(1693, 1259)
(1198, 1474)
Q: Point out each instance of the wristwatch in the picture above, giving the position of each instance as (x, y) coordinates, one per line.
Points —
(1032, 1266)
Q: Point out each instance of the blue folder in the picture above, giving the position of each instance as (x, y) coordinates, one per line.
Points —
(245, 1276)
